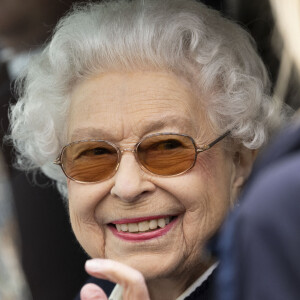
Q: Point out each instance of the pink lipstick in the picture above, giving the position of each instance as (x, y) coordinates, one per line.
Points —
(143, 235)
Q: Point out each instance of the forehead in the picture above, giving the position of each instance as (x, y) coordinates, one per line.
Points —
(117, 105)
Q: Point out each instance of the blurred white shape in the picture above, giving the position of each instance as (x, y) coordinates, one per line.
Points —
(12, 281)
(287, 16)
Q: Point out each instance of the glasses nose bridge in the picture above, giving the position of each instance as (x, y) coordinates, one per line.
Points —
(128, 150)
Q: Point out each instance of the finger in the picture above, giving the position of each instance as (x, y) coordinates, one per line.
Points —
(132, 281)
(91, 291)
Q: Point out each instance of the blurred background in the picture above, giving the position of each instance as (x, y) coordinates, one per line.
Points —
(39, 256)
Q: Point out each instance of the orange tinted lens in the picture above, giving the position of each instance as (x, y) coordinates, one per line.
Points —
(167, 154)
(90, 161)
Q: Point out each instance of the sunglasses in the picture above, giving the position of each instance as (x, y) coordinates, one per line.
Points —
(163, 154)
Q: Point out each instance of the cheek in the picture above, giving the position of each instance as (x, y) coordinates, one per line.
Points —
(205, 194)
(90, 236)
(83, 201)
(84, 198)
(215, 187)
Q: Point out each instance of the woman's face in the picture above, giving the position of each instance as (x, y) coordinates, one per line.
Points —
(123, 108)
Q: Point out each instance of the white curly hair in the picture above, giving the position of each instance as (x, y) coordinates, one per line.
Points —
(181, 36)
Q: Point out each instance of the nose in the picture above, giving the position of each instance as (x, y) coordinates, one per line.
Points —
(130, 181)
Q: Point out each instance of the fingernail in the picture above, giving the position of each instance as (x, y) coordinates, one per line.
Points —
(92, 265)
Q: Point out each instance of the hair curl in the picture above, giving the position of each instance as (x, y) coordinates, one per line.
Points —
(180, 36)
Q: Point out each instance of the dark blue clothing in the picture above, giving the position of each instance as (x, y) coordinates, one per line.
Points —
(260, 243)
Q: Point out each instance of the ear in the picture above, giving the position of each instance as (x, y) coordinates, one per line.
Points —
(243, 159)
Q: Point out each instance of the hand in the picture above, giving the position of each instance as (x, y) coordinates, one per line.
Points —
(132, 281)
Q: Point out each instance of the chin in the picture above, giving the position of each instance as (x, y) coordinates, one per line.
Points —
(152, 266)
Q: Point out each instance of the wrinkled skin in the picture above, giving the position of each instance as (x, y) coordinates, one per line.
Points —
(123, 108)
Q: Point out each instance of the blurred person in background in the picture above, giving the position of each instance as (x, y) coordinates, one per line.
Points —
(260, 242)
(258, 18)
(12, 282)
(41, 217)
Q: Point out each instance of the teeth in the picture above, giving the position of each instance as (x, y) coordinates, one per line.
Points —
(143, 226)
(153, 224)
(124, 227)
(161, 223)
(133, 227)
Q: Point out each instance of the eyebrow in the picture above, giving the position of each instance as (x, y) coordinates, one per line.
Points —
(89, 133)
(147, 127)
(161, 122)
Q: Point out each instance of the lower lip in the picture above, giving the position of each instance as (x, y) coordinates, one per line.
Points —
(143, 236)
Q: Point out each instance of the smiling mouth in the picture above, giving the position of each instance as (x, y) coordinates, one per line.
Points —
(142, 226)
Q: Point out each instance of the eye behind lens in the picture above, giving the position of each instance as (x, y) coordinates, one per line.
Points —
(90, 161)
(167, 155)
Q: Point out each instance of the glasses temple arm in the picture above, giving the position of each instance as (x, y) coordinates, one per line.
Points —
(206, 147)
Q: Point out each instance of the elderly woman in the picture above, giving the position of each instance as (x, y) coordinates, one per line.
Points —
(151, 112)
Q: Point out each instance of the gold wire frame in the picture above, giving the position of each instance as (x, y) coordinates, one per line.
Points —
(134, 150)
